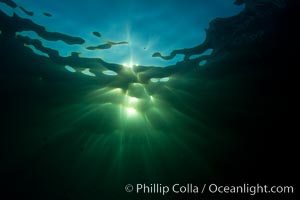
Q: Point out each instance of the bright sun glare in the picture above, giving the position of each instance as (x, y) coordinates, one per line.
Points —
(131, 111)
(130, 64)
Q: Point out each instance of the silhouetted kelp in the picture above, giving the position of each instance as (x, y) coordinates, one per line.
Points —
(47, 14)
(107, 45)
(10, 3)
(229, 33)
(97, 34)
(29, 13)
(230, 38)
(15, 24)
(233, 32)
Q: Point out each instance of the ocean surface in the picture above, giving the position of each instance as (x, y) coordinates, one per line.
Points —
(146, 26)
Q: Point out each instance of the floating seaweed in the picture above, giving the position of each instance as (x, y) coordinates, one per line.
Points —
(29, 13)
(107, 45)
(47, 14)
(97, 34)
